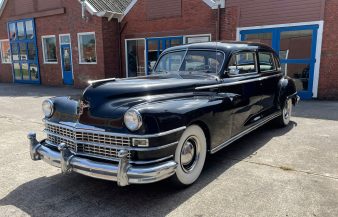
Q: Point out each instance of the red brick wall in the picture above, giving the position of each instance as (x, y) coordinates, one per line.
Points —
(328, 77)
(70, 22)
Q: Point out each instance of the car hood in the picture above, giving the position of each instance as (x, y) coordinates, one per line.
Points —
(136, 89)
(109, 100)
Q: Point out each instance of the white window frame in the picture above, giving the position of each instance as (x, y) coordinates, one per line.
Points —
(43, 49)
(126, 53)
(193, 36)
(10, 55)
(79, 47)
(71, 52)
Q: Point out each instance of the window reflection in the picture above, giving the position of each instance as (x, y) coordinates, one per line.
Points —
(296, 44)
(31, 51)
(15, 51)
(135, 58)
(265, 38)
(300, 74)
(33, 70)
(21, 30)
(29, 29)
(24, 70)
(12, 31)
(17, 71)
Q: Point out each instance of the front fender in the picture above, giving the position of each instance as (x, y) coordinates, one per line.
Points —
(286, 89)
(171, 114)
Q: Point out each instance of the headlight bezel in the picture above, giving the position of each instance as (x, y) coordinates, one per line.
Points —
(51, 107)
(137, 116)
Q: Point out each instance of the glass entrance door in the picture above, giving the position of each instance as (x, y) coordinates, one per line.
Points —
(155, 46)
(25, 63)
(66, 59)
(296, 47)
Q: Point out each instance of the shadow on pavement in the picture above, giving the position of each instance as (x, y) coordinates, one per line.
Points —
(78, 195)
(27, 90)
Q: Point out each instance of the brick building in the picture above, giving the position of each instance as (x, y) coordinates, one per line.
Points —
(56, 42)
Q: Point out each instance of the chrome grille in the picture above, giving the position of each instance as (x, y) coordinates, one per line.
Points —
(86, 143)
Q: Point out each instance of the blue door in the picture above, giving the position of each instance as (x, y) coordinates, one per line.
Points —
(155, 46)
(67, 66)
(296, 47)
(25, 62)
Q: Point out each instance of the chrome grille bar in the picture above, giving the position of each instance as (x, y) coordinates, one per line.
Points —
(88, 143)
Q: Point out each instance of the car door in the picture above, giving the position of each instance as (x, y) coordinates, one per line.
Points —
(270, 73)
(243, 85)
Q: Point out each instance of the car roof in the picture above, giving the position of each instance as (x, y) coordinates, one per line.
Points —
(226, 46)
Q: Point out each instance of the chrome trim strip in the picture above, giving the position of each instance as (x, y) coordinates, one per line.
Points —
(238, 136)
(116, 159)
(90, 130)
(237, 82)
(129, 148)
(152, 161)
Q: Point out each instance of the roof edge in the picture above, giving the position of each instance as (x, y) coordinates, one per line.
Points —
(214, 3)
(2, 8)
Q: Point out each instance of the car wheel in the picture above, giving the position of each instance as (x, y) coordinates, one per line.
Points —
(285, 117)
(190, 156)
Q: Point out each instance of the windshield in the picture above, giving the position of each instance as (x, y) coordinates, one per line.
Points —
(191, 61)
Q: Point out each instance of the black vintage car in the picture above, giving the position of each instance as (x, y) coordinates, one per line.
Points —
(198, 99)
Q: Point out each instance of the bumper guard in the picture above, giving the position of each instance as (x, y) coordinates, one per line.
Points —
(123, 173)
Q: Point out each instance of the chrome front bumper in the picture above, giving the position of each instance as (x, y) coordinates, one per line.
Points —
(123, 172)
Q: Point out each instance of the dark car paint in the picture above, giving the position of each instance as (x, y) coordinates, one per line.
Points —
(223, 106)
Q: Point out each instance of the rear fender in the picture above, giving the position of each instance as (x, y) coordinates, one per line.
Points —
(286, 90)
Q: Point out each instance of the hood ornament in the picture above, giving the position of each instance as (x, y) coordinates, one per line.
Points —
(81, 106)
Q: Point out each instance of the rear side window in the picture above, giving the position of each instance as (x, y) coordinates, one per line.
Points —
(266, 61)
(242, 63)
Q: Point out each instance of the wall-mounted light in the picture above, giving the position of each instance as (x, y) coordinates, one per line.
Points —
(83, 6)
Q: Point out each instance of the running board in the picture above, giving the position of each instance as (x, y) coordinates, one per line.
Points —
(240, 135)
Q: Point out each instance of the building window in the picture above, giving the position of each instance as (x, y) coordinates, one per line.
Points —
(87, 48)
(190, 39)
(135, 57)
(5, 51)
(49, 49)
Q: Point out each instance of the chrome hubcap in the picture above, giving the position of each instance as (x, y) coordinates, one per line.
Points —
(287, 110)
(189, 154)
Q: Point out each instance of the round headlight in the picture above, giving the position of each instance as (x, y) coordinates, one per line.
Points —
(133, 119)
(48, 108)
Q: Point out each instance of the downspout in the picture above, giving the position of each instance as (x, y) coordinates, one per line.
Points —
(119, 33)
(218, 23)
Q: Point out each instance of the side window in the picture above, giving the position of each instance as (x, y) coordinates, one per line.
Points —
(266, 61)
(242, 63)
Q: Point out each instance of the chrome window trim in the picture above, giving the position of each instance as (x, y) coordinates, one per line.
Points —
(90, 129)
(238, 82)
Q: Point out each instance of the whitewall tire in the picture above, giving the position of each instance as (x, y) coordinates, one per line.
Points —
(190, 155)
(285, 117)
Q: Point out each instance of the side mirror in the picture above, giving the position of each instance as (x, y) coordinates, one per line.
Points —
(233, 72)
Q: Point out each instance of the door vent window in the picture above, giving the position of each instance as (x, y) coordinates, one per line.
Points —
(266, 62)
